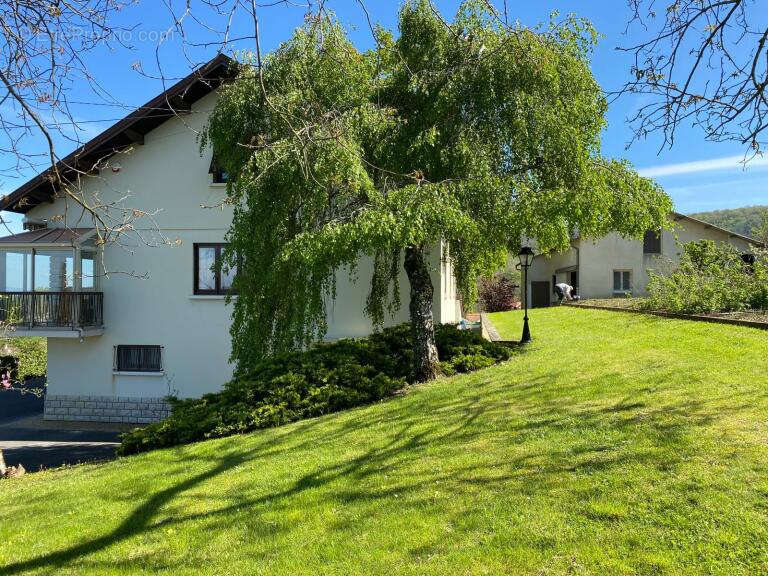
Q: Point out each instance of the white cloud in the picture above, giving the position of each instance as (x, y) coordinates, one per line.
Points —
(713, 164)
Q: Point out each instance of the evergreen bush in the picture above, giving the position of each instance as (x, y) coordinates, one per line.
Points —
(326, 378)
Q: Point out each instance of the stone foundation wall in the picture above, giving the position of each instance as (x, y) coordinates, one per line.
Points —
(106, 409)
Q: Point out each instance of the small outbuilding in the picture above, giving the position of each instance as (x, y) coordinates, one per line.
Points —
(613, 266)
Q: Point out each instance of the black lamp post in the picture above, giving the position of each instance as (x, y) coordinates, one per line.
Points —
(526, 259)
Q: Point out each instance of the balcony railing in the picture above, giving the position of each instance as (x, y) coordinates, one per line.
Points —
(71, 310)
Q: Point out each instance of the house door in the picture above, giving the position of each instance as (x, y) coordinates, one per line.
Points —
(540, 296)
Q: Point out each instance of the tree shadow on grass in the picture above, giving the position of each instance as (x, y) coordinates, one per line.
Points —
(138, 521)
(416, 429)
(141, 519)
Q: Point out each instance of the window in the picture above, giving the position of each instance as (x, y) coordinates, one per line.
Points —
(220, 176)
(87, 270)
(622, 281)
(48, 270)
(138, 358)
(209, 276)
(573, 279)
(54, 271)
(652, 242)
(16, 271)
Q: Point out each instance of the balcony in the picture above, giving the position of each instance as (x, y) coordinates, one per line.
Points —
(49, 284)
(52, 314)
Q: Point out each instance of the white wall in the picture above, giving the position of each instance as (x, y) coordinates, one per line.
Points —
(148, 296)
(346, 317)
(446, 299)
(546, 265)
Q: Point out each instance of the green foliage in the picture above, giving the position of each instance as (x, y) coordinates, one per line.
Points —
(470, 133)
(746, 220)
(31, 353)
(711, 277)
(297, 385)
(760, 231)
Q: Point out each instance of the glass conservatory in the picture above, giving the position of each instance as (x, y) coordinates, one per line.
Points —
(49, 283)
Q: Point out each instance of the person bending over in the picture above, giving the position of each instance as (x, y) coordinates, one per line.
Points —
(564, 292)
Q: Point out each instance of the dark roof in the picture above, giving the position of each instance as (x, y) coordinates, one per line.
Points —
(128, 131)
(68, 236)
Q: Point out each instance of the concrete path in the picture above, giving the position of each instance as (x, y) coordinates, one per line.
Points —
(25, 438)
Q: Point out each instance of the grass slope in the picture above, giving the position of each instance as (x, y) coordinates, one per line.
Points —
(616, 444)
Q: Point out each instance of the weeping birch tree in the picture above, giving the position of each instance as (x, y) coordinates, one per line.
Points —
(472, 133)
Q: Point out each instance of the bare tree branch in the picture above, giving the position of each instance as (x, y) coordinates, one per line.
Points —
(704, 62)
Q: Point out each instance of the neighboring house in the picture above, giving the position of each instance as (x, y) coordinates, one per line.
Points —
(158, 323)
(615, 266)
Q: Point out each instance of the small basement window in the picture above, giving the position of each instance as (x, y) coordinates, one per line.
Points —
(652, 242)
(138, 358)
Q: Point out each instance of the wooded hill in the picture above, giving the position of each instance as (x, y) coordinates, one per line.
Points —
(740, 220)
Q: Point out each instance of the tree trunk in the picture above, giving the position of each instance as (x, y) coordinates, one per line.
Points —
(425, 360)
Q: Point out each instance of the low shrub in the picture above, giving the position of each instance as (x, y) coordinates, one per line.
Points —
(327, 378)
(711, 277)
(498, 294)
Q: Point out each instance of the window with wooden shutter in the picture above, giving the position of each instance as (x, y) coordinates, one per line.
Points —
(652, 242)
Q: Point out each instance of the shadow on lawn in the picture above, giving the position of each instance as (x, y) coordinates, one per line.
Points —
(416, 430)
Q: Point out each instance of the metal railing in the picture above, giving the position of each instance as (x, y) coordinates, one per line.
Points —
(52, 309)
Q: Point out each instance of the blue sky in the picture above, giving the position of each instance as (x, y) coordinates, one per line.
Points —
(698, 175)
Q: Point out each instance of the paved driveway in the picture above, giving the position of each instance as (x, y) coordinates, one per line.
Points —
(27, 439)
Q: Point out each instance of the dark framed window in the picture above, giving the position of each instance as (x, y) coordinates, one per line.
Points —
(209, 277)
(652, 242)
(219, 175)
(138, 358)
(622, 281)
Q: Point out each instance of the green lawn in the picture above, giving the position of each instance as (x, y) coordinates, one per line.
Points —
(615, 444)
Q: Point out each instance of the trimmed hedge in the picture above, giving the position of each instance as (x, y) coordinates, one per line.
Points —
(327, 378)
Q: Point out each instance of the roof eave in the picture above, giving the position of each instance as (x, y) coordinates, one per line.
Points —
(749, 239)
(117, 136)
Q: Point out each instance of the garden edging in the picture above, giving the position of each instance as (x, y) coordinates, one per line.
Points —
(679, 316)
(489, 332)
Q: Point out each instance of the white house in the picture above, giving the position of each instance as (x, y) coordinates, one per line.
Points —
(157, 323)
(615, 266)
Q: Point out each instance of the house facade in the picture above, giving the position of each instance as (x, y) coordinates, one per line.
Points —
(156, 323)
(614, 266)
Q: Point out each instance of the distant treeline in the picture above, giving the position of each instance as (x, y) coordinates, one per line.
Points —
(740, 220)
